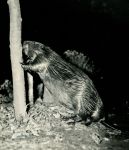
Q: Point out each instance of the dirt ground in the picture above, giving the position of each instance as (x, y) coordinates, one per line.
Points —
(44, 129)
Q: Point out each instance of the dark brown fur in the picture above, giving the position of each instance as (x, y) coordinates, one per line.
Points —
(67, 85)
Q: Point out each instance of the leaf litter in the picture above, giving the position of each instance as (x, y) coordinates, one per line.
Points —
(44, 129)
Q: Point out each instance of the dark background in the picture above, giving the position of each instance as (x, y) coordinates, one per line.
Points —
(99, 28)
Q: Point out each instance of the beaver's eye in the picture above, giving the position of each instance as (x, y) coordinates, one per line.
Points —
(38, 52)
(29, 59)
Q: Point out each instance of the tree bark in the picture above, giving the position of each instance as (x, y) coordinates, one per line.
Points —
(19, 99)
(30, 89)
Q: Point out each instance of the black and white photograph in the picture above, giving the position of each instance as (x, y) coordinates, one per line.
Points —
(64, 76)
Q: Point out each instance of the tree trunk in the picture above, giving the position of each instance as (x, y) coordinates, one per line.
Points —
(30, 89)
(19, 100)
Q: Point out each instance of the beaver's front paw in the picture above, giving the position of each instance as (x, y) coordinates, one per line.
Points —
(25, 67)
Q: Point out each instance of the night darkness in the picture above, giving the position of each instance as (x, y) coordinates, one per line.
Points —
(99, 28)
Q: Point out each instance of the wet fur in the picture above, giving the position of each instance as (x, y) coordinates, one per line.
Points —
(68, 85)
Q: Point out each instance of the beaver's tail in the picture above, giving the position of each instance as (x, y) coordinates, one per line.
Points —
(81, 61)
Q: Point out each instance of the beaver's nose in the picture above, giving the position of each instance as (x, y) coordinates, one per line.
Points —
(25, 49)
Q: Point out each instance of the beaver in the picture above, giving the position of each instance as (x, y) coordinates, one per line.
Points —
(66, 84)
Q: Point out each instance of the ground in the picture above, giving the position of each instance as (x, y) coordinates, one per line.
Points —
(44, 129)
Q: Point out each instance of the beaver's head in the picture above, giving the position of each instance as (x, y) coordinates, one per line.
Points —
(35, 56)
